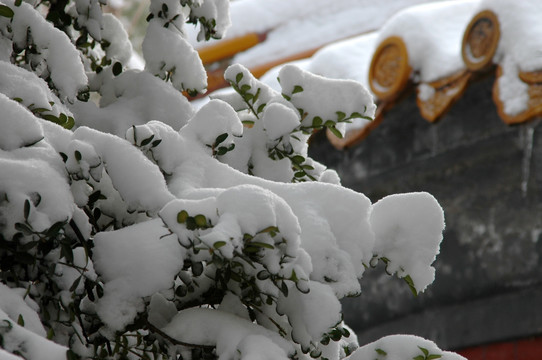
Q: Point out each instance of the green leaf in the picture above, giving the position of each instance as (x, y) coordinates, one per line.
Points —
(410, 283)
(197, 268)
(222, 150)
(75, 284)
(201, 220)
(219, 244)
(316, 353)
(284, 289)
(25, 229)
(117, 68)
(238, 77)
(286, 97)
(263, 275)
(26, 209)
(269, 229)
(39, 110)
(55, 228)
(248, 122)
(260, 108)
(147, 140)
(293, 277)
(381, 352)
(51, 118)
(71, 355)
(261, 244)
(340, 115)
(297, 159)
(182, 216)
(433, 357)
(336, 334)
(335, 131)
(317, 121)
(257, 95)
(424, 351)
(78, 156)
(6, 11)
(245, 88)
(155, 143)
(63, 119)
(419, 357)
(70, 123)
(220, 138)
(297, 89)
(18, 2)
(20, 320)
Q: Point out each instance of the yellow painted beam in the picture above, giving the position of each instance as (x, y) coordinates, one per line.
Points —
(227, 48)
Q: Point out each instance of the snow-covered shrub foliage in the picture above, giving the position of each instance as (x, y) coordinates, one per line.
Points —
(134, 227)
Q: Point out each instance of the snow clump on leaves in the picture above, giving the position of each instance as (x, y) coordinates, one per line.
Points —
(138, 227)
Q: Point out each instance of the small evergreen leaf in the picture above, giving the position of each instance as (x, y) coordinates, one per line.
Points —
(284, 289)
(25, 229)
(238, 77)
(335, 132)
(147, 140)
(182, 216)
(248, 123)
(261, 244)
(260, 108)
(5, 11)
(18, 2)
(26, 209)
(77, 155)
(201, 220)
(219, 244)
(197, 268)
(410, 283)
(297, 159)
(155, 143)
(75, 284)
(220, 138)
(433, 357)
(263, 275)
(70, 123)
(20, 320)
(424, 351)
(297, 89)
(381, 352)
(317, 121)
(117, 68)
(340, 115)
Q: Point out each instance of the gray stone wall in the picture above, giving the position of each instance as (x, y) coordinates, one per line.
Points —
(488, 178)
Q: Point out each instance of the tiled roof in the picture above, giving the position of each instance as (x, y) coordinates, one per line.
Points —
(440, 48)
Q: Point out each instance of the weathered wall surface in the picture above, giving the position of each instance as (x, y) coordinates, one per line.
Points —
(488, 178)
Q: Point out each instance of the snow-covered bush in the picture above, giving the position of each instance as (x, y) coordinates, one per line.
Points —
(134, 227)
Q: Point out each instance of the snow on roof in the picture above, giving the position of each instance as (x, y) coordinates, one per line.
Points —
(438, 47)
(293, 26)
